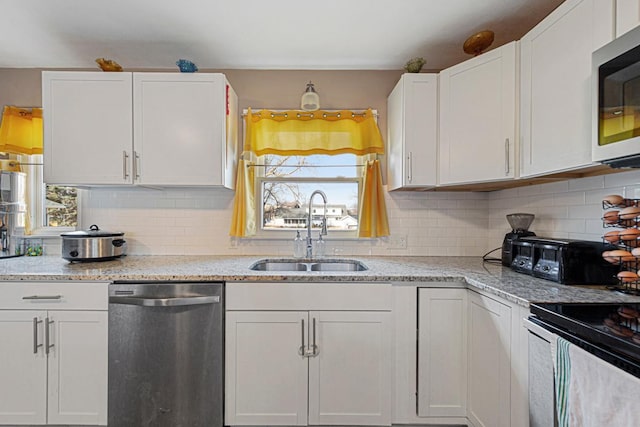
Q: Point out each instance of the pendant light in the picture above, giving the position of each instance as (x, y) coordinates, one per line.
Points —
(310, 100)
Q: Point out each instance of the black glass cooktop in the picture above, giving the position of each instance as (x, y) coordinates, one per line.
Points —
(614, 327)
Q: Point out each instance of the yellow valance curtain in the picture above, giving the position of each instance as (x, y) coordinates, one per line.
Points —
(300, 133)
(21, 130)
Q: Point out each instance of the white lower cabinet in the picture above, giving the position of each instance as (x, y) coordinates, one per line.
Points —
(489, 379)
(53, 361)
(293, 360)
(442, 352)
(316, 368)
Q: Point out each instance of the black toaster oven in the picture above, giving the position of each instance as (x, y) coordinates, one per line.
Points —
(570, 262)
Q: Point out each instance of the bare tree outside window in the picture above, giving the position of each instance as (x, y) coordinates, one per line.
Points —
(61, 206)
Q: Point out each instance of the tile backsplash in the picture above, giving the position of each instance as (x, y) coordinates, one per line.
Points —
(196, 221)
(566, 209)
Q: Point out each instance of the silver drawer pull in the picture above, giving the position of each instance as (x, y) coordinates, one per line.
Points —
(43, 297)
(165, 302)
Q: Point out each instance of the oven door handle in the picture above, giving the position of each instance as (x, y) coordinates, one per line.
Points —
(165, 302)
(539, 330)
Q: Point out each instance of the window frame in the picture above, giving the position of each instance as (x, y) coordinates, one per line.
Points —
(37, 195)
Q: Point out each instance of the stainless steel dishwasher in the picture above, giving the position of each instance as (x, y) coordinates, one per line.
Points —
(166, 351)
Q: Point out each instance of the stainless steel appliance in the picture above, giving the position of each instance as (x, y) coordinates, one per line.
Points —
(566, 261)
(166, 350)
(616, 102)
(93, 245)
(608, 331)
(13, 209)
(520, 223)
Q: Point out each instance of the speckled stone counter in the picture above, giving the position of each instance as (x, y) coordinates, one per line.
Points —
(438, 271)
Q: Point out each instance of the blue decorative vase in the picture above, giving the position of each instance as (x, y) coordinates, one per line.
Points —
(186, 66)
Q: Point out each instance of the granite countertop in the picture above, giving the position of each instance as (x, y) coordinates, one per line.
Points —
(495, 279)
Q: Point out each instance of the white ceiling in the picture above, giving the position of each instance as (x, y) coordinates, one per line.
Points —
(255, 34)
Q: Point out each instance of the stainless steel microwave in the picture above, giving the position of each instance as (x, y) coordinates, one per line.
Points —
(616, 102)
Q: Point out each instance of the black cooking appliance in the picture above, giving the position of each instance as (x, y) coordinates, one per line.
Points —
(566, 261)
(609, 331)
(520, 223)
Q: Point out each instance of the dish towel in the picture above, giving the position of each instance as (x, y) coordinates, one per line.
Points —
(591, 392)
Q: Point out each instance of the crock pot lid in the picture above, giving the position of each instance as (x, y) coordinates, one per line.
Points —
(93, 231)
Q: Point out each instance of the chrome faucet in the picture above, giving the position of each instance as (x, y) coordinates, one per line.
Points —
(323, 231)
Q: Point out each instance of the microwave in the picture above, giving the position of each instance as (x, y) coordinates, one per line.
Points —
(616, 102)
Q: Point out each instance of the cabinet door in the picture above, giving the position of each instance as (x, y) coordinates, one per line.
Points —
(265, 373)
(77, 366)
(88, 129)
(627, 15)
(350, 377)
(23, 368)
(489, 362)
(179, 125)
(555, 109)
(477, 118)
(412, 128)
(442, 352)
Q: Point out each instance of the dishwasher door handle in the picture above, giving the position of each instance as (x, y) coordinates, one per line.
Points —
(165, 302)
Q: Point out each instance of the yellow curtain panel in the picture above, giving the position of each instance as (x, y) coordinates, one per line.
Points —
(243, 220)
(373, 221)
(21, 130)
(299, 133)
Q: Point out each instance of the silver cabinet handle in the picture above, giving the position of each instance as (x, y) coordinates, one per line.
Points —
(47, 338)
(125, 158)
(506, 156)
(302, 351)
(314, 347)
(43, 297)
(136, 165)
(165, 302)
(35, 335)
(410, 167)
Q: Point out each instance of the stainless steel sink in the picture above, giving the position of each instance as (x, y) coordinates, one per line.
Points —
(266, 265)
(327, 265)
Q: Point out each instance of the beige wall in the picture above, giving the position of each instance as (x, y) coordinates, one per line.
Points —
(280, 89)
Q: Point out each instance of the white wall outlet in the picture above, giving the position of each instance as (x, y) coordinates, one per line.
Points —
(397, 242)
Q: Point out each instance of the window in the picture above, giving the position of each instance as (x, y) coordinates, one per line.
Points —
(52, 208)
(285, 183)
(289, 154)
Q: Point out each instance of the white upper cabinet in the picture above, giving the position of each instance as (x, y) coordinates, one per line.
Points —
(627, 15)
(88, 127)
(180, 129)
(555, 109)
(478, 118)
(412, 132)
(157, 129)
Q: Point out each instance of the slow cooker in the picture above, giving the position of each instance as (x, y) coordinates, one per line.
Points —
(92, 245)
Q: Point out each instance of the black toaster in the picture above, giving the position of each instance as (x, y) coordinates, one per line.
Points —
(566, 261)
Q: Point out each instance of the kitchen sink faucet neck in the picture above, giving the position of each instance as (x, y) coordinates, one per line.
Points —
(323, 230)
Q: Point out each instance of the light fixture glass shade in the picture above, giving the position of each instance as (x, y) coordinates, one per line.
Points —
(310, 100)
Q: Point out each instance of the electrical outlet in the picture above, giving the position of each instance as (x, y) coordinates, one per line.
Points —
(397, 242)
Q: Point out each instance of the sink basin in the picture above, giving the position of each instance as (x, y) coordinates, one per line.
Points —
(309, 265)
(266, 265)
